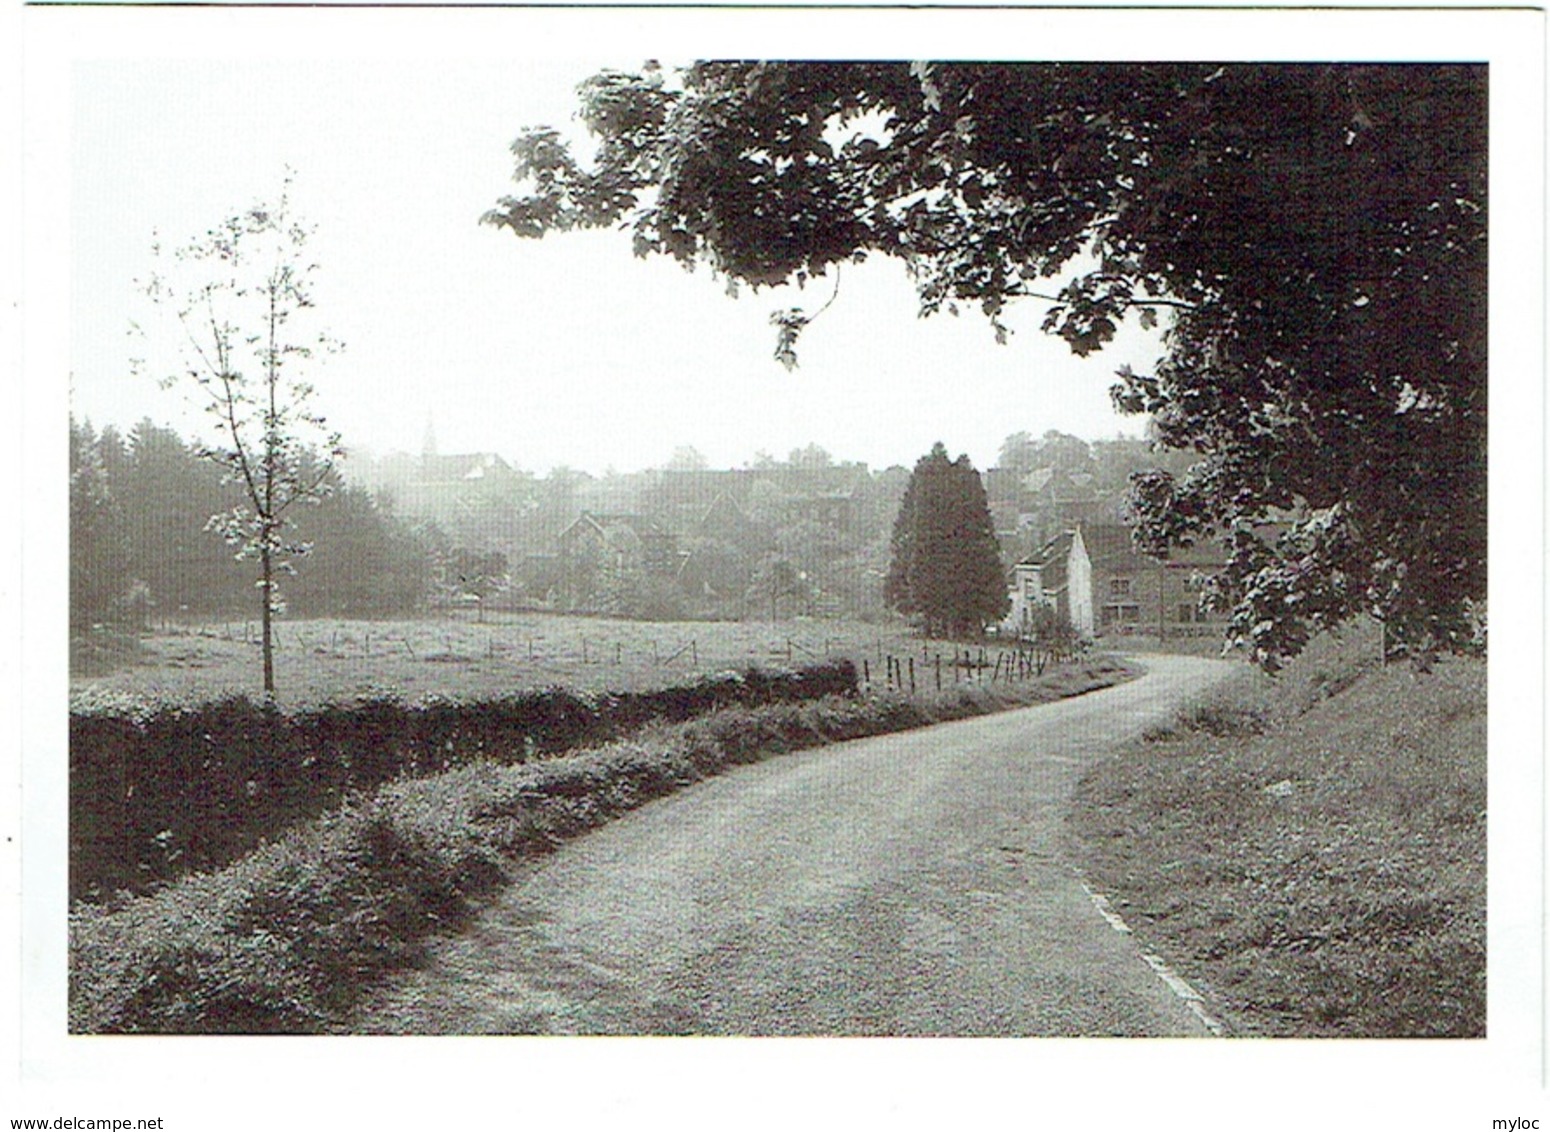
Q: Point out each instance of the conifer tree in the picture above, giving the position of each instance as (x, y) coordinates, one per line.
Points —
(946, 566)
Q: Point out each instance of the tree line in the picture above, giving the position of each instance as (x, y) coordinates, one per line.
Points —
(142, 548)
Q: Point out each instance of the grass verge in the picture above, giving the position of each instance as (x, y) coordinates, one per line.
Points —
(286, 939)
(1310, 850)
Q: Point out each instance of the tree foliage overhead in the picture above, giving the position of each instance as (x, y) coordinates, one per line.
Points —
(946, 565)
(1314, 237)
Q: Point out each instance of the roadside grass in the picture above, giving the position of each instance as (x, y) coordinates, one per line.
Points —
(1309, 850)
(331, 660)
(287, 939)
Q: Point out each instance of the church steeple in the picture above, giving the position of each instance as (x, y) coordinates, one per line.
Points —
(428, 449)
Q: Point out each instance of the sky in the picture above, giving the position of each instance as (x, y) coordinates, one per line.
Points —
(567, 350)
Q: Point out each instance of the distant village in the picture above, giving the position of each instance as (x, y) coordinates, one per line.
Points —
(804, 536)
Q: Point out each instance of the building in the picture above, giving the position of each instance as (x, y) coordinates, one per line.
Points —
(831, 496)
(476, 498)
(1094, 576)
(598, 552)
(1040, 579)
(1116, 591)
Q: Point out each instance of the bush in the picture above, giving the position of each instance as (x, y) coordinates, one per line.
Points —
(157, 791)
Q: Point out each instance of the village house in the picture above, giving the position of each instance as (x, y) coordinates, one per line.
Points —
(1039, 579)
(602, 549)
(1094, 576)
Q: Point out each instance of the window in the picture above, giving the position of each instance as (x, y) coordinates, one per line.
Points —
(1119, 587)
(1120, 614)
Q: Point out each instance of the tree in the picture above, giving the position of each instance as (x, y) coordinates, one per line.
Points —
(483, 574)
(946, 566)
(167, 494)
(1019, 452)
(777, 577)
(98, 545)
(1315, 236)
(812, 456)
(686, 458)
(242, 296)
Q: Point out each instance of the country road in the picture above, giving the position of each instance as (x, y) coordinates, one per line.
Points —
(909, 884)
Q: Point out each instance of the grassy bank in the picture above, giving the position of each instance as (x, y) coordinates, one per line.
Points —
(1309, 850)
(285, 939)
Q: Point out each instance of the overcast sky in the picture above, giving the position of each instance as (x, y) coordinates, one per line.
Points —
(562, 351)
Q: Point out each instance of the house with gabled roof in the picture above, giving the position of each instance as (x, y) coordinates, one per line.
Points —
(599, 547)
(1040, 579)
(1117, 591)
(1093, 575)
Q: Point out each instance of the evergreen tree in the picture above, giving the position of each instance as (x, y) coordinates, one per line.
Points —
(98, 547)
(946, 567)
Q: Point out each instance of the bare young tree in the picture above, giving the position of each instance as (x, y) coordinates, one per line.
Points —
(241, 298)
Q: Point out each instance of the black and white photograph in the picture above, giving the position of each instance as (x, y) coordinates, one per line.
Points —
(781, 539)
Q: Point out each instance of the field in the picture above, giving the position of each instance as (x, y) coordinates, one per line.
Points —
(328, 660)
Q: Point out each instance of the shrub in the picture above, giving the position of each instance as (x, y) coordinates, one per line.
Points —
(159, 790)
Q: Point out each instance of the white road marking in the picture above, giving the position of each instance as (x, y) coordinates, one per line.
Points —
(1174, 981)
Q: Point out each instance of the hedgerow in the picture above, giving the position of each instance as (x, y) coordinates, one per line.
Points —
(157, 791)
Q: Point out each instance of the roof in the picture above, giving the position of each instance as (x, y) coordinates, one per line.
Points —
(468, 466)
(1051, 558)
(725, 509)
(639, 525)
(1110, 543)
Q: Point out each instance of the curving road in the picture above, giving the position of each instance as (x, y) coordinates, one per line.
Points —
(909, 884)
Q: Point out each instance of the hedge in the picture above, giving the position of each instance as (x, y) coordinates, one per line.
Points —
(161, 792)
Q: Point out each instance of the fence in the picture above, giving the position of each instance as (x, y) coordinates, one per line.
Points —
(1006, 665)
(441, 644)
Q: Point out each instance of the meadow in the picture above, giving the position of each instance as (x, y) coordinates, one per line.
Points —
(329, 660)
